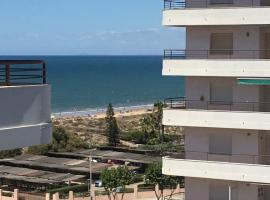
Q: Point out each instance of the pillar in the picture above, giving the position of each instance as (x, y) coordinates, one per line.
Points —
(56, 196)
(47, 196)
(70, 195)
(135, 191)
(16, 194)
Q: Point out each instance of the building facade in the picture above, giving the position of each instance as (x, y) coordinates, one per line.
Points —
(25, 108)
(226, 108)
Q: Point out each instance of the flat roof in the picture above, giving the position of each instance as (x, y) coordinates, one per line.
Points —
(62, 165)
(35, 176)
(111, 155)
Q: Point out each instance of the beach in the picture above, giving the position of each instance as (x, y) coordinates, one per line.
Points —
(101, 112)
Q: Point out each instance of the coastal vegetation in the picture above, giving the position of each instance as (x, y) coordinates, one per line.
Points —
(154, 176)
(112, 129)
(62, 141)
(115, 180)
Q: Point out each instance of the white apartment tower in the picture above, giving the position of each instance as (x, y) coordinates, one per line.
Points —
(25, 108)
(226, 110)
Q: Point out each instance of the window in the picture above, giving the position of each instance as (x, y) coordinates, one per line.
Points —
(221, 93)
(220, 143)
(221, 44)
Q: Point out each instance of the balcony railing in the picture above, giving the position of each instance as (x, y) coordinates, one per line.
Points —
(182, 4)
(22, 72)
(223, 157)
(216, 54)
(183, 103)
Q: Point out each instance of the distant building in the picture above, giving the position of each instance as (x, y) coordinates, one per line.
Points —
(25, 108)
(226, 109)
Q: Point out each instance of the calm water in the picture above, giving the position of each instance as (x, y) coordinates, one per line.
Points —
(86, 82)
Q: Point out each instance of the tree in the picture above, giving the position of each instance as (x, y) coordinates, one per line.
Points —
(115, 180)
(152, 124)
(62, 141)
(154, 176)
(112, 129)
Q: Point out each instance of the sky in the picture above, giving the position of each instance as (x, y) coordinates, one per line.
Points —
(85, 27)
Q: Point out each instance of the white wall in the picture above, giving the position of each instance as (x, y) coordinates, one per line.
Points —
(241, 172)
(200, 86)
(220, 16)
(244, 144)
(25, 105)
(25, 117)
(200, 189)
(198, 38)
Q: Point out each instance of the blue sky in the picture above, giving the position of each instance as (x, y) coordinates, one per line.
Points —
(85, 27)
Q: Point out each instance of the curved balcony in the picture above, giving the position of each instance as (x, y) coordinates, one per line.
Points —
(216, 114)
(217, 62)
(236, 167)
(212, 12)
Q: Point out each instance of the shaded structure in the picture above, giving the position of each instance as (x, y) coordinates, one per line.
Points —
(19, 177)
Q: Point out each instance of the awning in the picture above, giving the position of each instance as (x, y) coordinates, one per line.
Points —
(254, 81)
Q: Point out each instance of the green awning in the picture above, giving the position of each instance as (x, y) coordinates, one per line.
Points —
(254, 81)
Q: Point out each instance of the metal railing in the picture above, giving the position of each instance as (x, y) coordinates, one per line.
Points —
(183, 103)
(223, 157)
(182, 4)
(216, 54)
(22, 72)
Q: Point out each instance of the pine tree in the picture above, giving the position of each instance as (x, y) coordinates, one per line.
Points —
(112, 129)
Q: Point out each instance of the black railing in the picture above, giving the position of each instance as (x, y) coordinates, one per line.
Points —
(183, 103)
(181, 4)
(216, 54)
(21, 72)
(223, 157)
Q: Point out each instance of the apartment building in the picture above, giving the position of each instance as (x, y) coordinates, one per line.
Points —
(226, 109)
(25, 106)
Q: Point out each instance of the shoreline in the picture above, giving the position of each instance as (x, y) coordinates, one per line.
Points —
(101, 112)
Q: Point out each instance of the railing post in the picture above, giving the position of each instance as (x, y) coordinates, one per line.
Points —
(44, 73)
(7, 75)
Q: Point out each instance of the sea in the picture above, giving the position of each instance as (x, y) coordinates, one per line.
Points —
(90, 83)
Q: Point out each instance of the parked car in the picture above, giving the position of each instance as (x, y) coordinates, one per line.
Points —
(98, 183)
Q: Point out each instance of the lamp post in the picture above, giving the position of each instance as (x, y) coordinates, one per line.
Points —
(90, 168)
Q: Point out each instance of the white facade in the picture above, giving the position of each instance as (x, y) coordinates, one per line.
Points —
(227, 131)
(25, 117)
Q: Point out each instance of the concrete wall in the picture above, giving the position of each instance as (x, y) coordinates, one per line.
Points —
(25, 116)
(197, 87)
(200, 189)
(244, 144)
(216, 67)
(244, 38)
(219, 170)
(221, 16)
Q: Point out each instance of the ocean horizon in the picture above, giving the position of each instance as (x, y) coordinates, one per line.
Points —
(89, 83)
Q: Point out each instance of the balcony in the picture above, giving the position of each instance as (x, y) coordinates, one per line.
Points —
(234, 167)
(220, 63)
(212, 12)
(216, 114)
(25, 104)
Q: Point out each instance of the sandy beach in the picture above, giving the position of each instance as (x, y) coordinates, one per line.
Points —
(101, 113)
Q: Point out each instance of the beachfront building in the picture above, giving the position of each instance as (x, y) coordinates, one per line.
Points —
(226, 109)
(25, 104)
